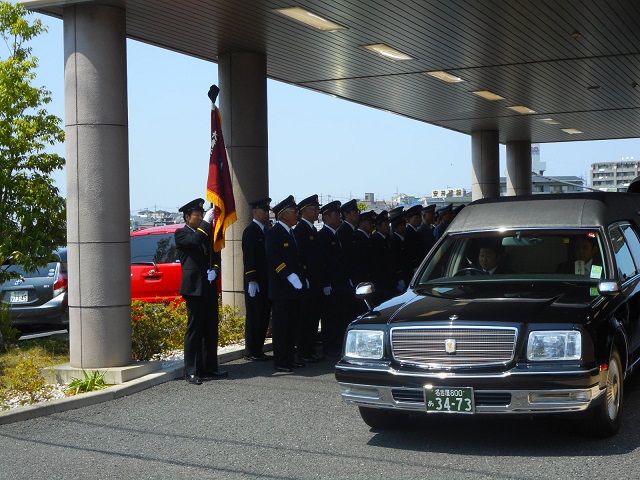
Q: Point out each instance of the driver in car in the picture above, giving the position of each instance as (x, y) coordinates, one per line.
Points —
(489, 258)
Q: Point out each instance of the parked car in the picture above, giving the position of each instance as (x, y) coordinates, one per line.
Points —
(38, 297)
(546, 329)
(156, 272)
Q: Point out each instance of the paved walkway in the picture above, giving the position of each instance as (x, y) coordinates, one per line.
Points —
(171, 371)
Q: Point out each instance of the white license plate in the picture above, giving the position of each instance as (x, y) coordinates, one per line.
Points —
(19, 296)
(449, 399)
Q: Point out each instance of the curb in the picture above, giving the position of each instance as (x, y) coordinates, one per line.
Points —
(58, 405)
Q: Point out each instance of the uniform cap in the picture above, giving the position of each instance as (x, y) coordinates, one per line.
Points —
(192, 206)
(308, 202)
(415, 210)
(330, 207)
(429, 208)
(261, 203)
(383, 216)
(445, 208)
(457, 209)
(369, 216)
(351, 205)
(288, 202)
(397, 215)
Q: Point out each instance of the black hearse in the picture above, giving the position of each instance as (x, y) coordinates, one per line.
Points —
(526, 305)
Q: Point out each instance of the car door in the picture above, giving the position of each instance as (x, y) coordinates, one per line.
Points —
(156, 273)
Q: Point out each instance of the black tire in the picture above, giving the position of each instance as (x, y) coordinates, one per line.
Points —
(382, 419)
(606, 418)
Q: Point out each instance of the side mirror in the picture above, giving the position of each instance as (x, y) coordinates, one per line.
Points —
(608, 287)
(364, 291)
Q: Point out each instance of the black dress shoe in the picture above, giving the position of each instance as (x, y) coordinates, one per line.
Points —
(283, 369)
(257, 358)
(194, 379)
(214, 375)
(310, 359)
(296, 364)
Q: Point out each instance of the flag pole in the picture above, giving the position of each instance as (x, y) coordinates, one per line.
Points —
(213, 96)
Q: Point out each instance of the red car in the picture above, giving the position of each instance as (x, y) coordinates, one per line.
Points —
(156, 272)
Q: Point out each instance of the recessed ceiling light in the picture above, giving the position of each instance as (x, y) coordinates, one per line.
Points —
(488, 95)
(571, 131)
(444, 76)
(388, 52)
(549, 121)
(521, 109)
(311, 19)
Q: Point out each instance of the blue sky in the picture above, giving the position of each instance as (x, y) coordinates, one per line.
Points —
(317, 143)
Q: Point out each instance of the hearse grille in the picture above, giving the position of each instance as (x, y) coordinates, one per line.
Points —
(444, 347)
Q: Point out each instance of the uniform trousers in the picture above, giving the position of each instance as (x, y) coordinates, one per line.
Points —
(201, 338)
(256, 323)
(285, 323)
(309, 320)
(336, 313)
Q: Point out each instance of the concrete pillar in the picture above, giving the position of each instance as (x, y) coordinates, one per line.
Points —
(97, 186)
(243, 104)
(519, 168)
(485, 157)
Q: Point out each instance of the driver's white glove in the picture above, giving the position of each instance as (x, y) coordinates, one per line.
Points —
(211, 275)
(253, 289)
(295, 281)
(208, 216)
(327, 290)
(400, 286)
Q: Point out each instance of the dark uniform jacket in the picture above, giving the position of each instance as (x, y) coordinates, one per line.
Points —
(333, 270)
(414, 246)
(254, 256)
(362, 258)
(401, 268)
(283, 259)
(427, 237)
(194, 250)
(307, 238)
(347, 236)
(382, 272)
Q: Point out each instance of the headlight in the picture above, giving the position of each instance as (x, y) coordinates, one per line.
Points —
(364, 344)
(554, 345)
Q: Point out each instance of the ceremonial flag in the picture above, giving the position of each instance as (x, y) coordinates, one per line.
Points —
(219, 190)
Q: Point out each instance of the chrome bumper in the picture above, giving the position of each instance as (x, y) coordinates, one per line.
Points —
(495, 401)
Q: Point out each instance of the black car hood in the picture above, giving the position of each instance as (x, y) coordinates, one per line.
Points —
(499, 301)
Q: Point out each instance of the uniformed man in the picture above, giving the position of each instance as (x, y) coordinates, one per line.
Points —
(346, 233)
(307, 238)
(382, 272)
(333, 278)
(426, 228)
(402, 271)
(446, 215)
(200, 269)
(287, 284)
(413, 241)
(256, 281)
(362, 249)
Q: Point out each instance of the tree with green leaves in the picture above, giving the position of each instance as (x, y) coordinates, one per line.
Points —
(32, 212)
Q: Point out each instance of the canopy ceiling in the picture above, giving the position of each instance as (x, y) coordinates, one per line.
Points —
(576, 62)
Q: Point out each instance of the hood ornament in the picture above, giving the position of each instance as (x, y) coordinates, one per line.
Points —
(453, 317)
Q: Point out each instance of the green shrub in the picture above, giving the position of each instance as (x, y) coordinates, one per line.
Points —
(8, 334)
(231, 326)
(24, 377)
(91, 382)
(160, 327)
(157, 328)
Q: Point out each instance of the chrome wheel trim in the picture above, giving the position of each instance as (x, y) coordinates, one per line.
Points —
(613, 390)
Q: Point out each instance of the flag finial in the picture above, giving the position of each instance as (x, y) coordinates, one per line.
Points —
(213, 93)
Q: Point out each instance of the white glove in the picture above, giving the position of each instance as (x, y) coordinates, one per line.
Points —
(327, 290)
(208, 216)
(253, 289)
(400, 286)
(295, 281)
(211, 275)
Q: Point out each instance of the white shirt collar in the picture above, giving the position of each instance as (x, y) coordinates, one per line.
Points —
(261, 225)
(286, 227)
(360, 230)
(334, 232)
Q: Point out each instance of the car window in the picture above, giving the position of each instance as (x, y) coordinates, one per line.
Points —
(47, 271)
(634, 244)
(554, 255)
(153, 248)
(624, 260)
